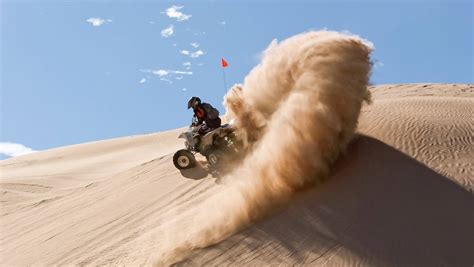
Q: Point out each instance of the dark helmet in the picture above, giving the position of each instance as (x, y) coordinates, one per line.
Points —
(194, 101)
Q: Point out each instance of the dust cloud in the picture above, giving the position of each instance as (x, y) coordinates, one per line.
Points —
(296, 111)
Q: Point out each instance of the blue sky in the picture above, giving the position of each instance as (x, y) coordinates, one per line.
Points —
(79, 71)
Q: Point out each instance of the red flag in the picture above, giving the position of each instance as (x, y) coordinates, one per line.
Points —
(225, 64)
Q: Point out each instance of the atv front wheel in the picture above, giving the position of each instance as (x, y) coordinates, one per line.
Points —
(184, 159)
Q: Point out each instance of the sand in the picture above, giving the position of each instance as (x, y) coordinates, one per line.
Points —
(401, 195)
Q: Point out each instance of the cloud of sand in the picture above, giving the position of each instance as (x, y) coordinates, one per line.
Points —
(297, 111)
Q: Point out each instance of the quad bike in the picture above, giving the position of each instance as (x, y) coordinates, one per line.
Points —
(215, 145)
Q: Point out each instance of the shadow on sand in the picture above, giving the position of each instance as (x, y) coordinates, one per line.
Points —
(196, 173)
(203, 170)
(380, 207)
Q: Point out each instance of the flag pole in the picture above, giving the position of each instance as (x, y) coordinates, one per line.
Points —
(225, 82)
(225, 64)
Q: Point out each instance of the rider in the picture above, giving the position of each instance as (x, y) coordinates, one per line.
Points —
(206, 115)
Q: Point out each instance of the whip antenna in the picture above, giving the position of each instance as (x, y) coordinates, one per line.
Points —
(225, 64)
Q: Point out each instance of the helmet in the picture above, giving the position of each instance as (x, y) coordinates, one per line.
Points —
(194, 101)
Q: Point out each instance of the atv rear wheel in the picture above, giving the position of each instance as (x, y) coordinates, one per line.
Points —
(214, 158)
(184, 159)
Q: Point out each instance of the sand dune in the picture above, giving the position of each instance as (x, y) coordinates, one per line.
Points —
(401, 195)
(380, 208)
(436, 127)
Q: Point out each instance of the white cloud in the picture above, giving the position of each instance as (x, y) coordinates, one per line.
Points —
(143, 80)
(14, 150)
(195, 45)
(167, 32)
(184, 89)
(160, 73)
(223, 22)
(96, 22)
(166, 75)
(175, 13)
(187, 65)
(182, 72)
(378, 64)
(197, 54)
(166, 80)
(194, 54)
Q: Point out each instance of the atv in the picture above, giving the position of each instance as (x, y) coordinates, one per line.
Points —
(216, 145)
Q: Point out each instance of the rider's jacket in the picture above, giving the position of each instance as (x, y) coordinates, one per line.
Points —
(208, 114)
